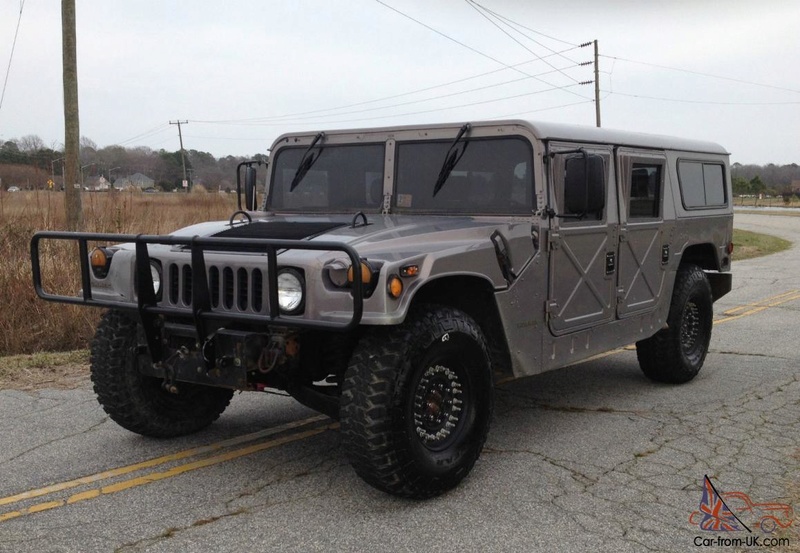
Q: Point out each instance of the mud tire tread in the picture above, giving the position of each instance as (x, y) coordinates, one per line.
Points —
(135, 401)
(373, 394)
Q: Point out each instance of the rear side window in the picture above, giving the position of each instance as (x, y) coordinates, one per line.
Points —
(645, 191)
(702, 184)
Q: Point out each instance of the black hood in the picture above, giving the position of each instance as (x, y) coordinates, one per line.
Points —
(280, 230)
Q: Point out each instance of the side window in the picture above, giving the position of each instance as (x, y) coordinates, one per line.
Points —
(645, 193)
(702, 184)
(715, 184)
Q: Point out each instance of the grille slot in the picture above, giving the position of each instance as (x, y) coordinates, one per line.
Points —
(174, 284)
(227, 288)
(186, 280)
(213, 285)
(239, 290)
(258, 290)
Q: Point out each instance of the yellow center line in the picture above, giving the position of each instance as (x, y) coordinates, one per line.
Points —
(749, 309)
(759, 302)
(760, 308)
(175, 471)
(120, 471)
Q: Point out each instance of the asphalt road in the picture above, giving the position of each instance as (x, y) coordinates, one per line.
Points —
(589, 458)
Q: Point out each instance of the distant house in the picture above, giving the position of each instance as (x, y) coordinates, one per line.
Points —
(796, 186)
(97, 183)
(143, 182)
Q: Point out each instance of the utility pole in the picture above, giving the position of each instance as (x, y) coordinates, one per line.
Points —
(72, 195)
(596, 84)
(183, 158)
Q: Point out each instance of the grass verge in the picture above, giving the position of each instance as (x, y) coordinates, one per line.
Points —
(747, 245)
(61, 370)
(776, 213)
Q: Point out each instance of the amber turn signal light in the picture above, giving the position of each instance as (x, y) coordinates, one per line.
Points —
(395, 286)
(366, 273)
(100, 261)
(409, 270)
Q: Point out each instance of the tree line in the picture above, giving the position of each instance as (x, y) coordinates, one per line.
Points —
(29, 162)
(771, 179)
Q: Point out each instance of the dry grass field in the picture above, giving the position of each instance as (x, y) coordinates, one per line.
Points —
(29, 325)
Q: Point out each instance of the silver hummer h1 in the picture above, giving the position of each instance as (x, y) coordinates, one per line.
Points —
(389, 275)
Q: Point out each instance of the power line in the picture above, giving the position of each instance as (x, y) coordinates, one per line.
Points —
(481, 102)
(721, 77)
(468, 47)
(228, 138)
(420, 112)
(11, 57)
(543, 109)
(146, 134)
(475, 6)
(707, 102)
(410, 102)
(511, 23)
(385, 98)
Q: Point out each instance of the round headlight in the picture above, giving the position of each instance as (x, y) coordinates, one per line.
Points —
(290, 291)
(155, 274)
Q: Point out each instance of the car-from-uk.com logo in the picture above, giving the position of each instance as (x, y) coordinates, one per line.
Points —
(729, 514)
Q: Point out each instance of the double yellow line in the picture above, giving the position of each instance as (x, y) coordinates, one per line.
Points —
(148, 478)
(758, 306)
(227, 450)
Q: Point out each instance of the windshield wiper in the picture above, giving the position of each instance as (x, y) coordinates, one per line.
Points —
(307, 161)
(451, 158)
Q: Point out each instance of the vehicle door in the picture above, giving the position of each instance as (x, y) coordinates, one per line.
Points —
(582, 246)
(643, 253)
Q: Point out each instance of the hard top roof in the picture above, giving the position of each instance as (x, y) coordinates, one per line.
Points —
(556, 132)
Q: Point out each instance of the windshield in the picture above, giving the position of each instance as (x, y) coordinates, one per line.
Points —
(494, 175)
(342, 178)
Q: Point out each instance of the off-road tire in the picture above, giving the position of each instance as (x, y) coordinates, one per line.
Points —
(401, 384)
(138, 402)
(676, 354)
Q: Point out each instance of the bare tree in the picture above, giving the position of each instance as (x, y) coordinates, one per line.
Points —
(31, 143)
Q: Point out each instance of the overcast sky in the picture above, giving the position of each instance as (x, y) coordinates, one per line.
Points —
(243, 72)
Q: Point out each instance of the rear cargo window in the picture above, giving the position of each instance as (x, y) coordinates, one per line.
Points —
(702, 184)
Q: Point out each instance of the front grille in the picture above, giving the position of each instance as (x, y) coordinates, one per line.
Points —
(241, 290)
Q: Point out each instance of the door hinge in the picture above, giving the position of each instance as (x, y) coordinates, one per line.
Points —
(553, 241)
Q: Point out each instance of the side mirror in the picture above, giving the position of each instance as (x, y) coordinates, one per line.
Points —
(584, 184)
(250, 198)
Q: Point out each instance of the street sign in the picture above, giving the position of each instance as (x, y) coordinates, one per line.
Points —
(186, 184)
